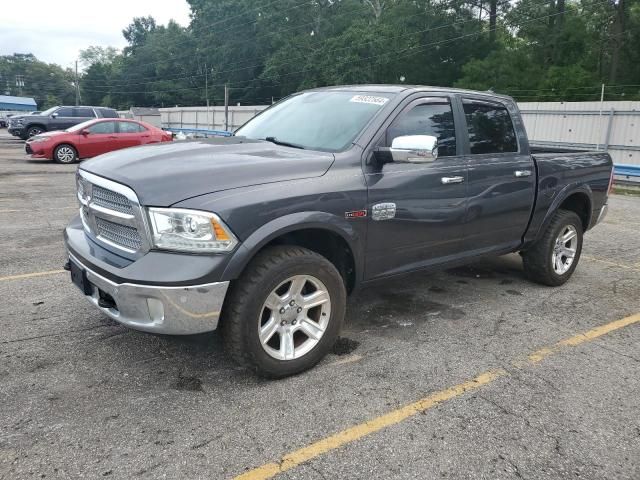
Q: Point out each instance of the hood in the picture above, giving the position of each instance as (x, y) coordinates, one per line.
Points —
(166, 173)
(53, 133)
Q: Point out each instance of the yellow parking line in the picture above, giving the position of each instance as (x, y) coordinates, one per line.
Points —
(31, 275)
(607, 262)
(337, 440)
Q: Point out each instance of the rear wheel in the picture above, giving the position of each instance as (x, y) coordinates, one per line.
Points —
(65, 154)
(554, 257)
(285, 312)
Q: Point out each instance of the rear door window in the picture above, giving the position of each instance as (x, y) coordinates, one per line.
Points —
(130, 127)
(433, 118)
(108, 113)
(83, 112)
(64, 112)
(490, 127)
(103, 127)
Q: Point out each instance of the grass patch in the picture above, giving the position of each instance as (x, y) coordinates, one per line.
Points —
(626, 190)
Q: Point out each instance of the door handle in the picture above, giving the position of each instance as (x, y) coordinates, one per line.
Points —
(450, 180)
(522, 173)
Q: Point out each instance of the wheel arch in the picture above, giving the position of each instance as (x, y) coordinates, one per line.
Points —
(578, 199)
(31, 125)
(324, 233)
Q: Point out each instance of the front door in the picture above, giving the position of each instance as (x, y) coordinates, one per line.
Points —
(501, 179)
(416, 211)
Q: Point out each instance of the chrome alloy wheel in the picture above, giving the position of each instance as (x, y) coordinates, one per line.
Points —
(294, 317)
(65, 155)
(564, 250)
(33, 131)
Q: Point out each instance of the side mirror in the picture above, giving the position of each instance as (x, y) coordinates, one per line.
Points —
(54, 115)
(84, 132)
(410, 149)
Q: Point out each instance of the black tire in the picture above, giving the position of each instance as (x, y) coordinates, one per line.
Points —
(65, 154)
(33, 131)
(537, 260)
(244, 306)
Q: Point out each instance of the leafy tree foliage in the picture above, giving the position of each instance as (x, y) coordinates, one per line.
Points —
(264, 49)
(24, 75)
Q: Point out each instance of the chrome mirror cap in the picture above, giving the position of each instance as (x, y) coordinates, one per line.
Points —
(414, 148)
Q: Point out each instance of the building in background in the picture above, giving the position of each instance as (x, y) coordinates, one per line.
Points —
(143, 114)
(17, 104)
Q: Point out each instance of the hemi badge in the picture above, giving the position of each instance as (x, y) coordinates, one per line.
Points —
(355, 214)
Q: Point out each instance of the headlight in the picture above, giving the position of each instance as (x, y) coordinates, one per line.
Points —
(189, 231)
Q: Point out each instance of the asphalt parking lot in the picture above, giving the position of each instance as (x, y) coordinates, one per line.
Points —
(469, 373)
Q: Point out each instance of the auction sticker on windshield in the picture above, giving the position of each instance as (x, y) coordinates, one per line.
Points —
(369, 99)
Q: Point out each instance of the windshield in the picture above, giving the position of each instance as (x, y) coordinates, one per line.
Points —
(328, 121)
(48, 112)
(80, 126)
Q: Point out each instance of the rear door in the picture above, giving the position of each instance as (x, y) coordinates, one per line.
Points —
(502, 175)
(82, 114)
(100, 138)
(131, 134)
(424, 203)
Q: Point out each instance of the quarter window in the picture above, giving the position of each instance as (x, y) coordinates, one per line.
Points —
(103, 127)
(434, 118)
(490, 128)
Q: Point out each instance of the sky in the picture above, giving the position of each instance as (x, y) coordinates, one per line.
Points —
(56, 30)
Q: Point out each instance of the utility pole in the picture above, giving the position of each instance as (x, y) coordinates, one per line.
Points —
(77, 86)
(206, 91)
(226, 107)
(19, 84)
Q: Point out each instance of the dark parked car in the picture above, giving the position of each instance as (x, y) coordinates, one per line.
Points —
(265, 233)
(56, 118)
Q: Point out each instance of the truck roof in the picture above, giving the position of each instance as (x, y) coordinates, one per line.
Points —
(391, 88)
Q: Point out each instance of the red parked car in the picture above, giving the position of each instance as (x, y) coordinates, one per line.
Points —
(92, 138)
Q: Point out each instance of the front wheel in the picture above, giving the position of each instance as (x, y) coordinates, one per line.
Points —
(285, 312)
(33, 131)
(65, 154)
(554, 257)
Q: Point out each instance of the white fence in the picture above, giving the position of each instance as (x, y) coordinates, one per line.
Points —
(204, 118)
(612, 126)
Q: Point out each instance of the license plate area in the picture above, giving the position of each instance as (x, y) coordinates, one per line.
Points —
(79, 278)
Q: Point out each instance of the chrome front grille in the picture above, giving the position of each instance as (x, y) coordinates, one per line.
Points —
(111, 200)
(112, 215)
(120, 235)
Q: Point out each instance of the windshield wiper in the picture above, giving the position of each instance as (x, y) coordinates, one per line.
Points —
(285, 144)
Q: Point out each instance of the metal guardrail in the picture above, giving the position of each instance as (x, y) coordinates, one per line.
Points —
(626, 170)
(201, 131)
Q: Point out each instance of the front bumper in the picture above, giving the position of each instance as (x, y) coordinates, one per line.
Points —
(182, 310)
(16, 131)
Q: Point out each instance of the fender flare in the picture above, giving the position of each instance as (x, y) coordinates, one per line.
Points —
(291, 223)
(565, 193)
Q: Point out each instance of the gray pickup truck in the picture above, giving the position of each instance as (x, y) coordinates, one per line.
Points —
(264, 234)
